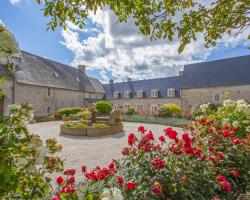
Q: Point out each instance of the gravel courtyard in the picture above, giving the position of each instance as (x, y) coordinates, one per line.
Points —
(91, 151)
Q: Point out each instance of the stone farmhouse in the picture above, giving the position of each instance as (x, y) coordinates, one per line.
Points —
(49, 85)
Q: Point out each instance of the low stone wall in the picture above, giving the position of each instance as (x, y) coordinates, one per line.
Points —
(92, 131)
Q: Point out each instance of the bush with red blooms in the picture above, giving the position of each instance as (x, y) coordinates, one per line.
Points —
(210, 160)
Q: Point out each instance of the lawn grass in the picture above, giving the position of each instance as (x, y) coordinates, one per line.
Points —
(169, 121)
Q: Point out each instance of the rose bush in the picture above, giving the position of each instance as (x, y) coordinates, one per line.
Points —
(210, 160)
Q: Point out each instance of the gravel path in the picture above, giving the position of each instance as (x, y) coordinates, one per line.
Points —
(91, 151)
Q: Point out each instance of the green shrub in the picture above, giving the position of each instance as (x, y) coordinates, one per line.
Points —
(131, 111)
(100, 125)
(67, 111)
(169, 110)
(103, 107)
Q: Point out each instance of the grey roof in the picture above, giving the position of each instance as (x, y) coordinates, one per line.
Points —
(97, 85)
(161, 84)
(225, 72)
(36, 70)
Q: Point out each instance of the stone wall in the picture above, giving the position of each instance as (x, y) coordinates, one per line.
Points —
(38, 97)
(147, 103)
(6, 89)
(191, 98)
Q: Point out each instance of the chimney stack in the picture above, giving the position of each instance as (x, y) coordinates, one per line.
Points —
(82, 68)
(129, 79)
(181, 73)
(111, 81)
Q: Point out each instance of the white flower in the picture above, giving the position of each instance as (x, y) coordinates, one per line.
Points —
(112, 194)
(204, 107)
(227, 102)
(235, 124)
(248, 129)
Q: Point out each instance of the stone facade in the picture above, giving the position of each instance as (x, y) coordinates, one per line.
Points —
(191, 98)
(7, 98)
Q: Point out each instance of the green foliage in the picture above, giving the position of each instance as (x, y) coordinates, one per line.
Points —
(206, 109)
(103, 107)
(169, 121)
(76, 124)
(100, 125)
(131, 111)
(169, 110)
(25, 164)
(67, 111)
(162, 19)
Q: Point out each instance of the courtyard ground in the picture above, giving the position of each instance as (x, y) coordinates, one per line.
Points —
(91, 151)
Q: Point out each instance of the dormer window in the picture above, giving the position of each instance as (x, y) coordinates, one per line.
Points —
(139, 94)
(127, 94)
(154, 93)
(217, 97)
(115, 95)
(171, 92)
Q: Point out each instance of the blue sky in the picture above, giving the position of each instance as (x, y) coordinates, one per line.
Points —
(107, 49)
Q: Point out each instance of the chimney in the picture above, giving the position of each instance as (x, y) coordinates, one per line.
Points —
(82, 68)
(181, 73)
(111, 81)
(129, 79)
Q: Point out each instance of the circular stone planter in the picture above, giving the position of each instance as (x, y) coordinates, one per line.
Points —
(92, 131)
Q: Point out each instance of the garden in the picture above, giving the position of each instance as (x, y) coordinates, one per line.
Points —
(210, 160)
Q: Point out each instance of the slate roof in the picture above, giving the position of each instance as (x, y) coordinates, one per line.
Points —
(36, 70)
(225, 72)
(161, 84)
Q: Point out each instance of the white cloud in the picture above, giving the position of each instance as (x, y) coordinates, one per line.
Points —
(14, 2)
(119, 50)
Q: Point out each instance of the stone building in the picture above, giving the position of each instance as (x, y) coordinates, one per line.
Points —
(48, 85)
(207, 82)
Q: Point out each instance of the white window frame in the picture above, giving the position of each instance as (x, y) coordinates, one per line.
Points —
(139, 93)
(171, 92)
(116, 106)
(153, 108)
(154, 93)
(49, 92)
(127, 94)
(115, 95)
(127, 106)
(49, 110)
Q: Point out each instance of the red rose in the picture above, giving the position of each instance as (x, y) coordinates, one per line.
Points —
(236, 141)
(210, 148)
(131, 185)
(172, 134)
(225, 186)
(157, 188)
(162, 138)
(158, 163)
(202, 157)
(211, 131)
(71, 180)
(150, 136)
(235, 173)
(84, 168)
(226, 133)
(111, 165)
(202, 121)
(55, 198)
(220, 155)
(221, 178)
(141, 129)
(59, 180)
(70, 172)
(186, 138)
(131, 138)
(68, 189)
(119, 180)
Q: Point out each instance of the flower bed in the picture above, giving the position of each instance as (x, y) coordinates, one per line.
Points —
(209, 161)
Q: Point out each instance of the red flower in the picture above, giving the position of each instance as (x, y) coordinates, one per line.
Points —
(111, 165)
(84, 168)
(172, 134)
(55, 198)
(162, 138)
(59, 180)
(141, 129)
(158, 163)
(220, 155)
(150, 136)
(202, 121)
(131, 185)
(71, 180)
(119, 180)
(225, 186)
(186, 138)
(131, 138)
(221, 178)
(70, 172)
(202, 157)
(157, 188)
(236, 141)
(211, 131)
(210, 148)
(235, 173)
(68, 189)
(226, 133)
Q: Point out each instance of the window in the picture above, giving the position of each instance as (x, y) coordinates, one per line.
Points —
(153, 108)
(154, 93)
(87, 95)
(127, 94)
(115, 95)
(217, 97)
(126, 106)
(49, 110)
(139, 94)
(49, 92)
(116, 107)
(171, 92)
(139, 107)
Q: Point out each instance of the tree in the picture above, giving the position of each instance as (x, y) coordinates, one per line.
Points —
(159, 19)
